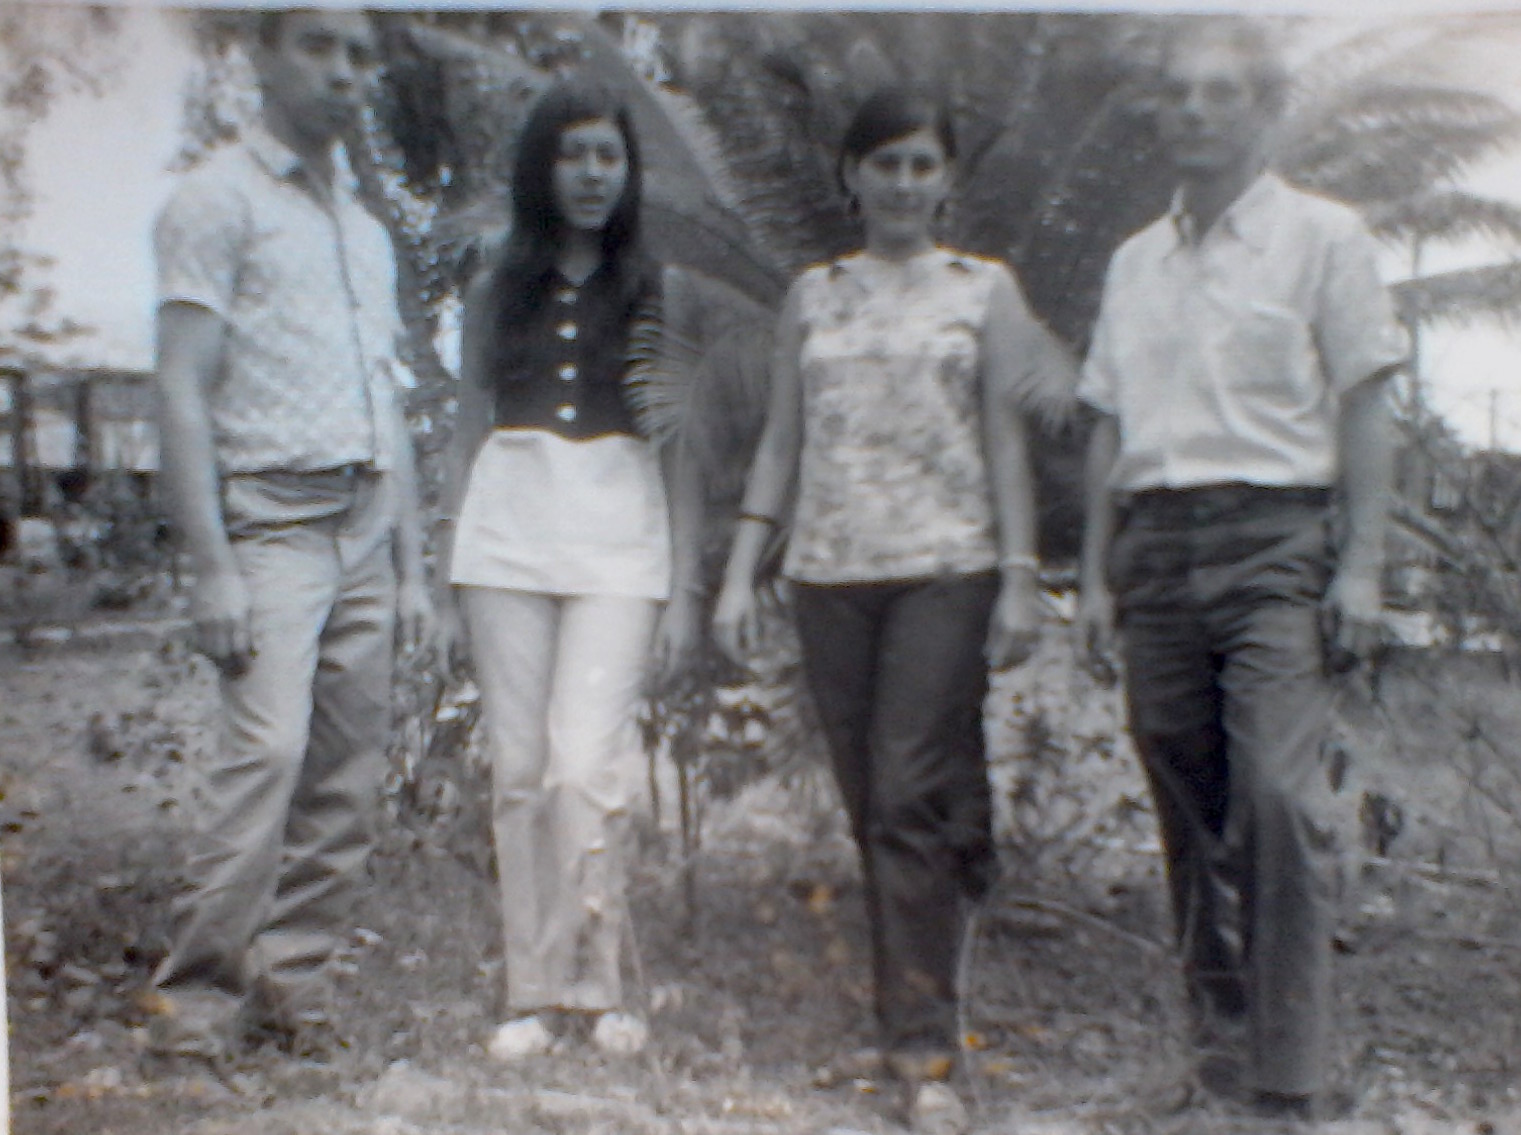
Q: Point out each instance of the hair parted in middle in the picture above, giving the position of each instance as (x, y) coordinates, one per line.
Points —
(890, 113)
(517, 285)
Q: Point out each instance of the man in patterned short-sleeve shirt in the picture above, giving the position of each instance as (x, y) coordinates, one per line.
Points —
(1239, 366)
(290, 477)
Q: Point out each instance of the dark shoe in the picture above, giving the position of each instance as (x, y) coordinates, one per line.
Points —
(193, 1024)
(1222, 1075)
(302, 1030)
(1323, 1106)
(315, 1038)
(1278, 1105)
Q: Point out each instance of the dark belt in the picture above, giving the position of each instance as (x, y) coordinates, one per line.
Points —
(1210, 504)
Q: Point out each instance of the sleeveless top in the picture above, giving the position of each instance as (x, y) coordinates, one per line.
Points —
(892, 480)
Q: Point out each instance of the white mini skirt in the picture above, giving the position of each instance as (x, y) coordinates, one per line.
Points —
(547, 514)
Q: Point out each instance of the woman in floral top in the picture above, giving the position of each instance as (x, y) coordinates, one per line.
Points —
(895, 408)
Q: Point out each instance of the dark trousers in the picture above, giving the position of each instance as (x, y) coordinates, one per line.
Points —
(898, 677)
(1228, 702)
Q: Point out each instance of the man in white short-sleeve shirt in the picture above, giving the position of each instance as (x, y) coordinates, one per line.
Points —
(289, 475)
(1239, 369)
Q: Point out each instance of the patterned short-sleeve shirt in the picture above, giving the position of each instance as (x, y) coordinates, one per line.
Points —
(305, 285)
(893, 483)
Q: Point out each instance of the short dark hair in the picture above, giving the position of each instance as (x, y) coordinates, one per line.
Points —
(269, 24)
(1247, 39)
(888, 114)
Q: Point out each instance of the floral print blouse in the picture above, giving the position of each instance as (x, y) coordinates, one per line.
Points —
(893, 483)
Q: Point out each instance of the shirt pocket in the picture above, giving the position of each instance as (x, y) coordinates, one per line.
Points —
(1267, 349)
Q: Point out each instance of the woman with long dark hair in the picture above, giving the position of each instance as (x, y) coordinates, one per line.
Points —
(561, 560)
(895, 408)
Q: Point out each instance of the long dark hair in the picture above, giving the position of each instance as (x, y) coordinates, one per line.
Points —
(518, 284)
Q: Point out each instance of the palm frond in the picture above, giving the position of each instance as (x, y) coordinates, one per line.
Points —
(701, 378)
(777, 107)
(702, 140)
(1048, 396)
(1444, 214)
(1384, 139)
(1463, 297)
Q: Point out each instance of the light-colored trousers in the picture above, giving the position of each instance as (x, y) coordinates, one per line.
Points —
(291, 793)
(560, 680)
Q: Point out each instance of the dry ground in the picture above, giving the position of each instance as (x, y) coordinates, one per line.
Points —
(1072, 1020)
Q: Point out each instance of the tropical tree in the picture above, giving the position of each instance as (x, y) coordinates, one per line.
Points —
(1386, 121)
(43, 53)
(1379, 122)
(739, 114)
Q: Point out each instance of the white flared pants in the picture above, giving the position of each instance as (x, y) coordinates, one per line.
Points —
(560, 679)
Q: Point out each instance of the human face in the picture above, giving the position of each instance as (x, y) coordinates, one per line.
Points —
(900, 186)
(1211, 118)
(591, 171)
(314, 75)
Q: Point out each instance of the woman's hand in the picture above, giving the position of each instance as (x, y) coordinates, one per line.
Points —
(677, 634)
(737, 622)
(451, 634)
(1015, 629)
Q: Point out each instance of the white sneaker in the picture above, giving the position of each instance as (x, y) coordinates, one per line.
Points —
(520, 1038)
(937, 1110)
(620, 1034)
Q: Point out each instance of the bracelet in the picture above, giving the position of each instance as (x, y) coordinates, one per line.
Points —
(759, 518)
(1024, 561)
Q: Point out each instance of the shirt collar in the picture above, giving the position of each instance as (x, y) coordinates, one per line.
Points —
(284, 164)
(274, 155)
(1248, 219)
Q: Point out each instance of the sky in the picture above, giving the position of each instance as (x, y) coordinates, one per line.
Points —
(98, 170)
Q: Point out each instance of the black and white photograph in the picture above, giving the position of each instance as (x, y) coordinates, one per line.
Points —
(760, 570)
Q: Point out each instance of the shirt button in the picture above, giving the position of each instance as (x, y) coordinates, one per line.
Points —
(568, 372)
(566, 331)
(566, 413)
(566, 295)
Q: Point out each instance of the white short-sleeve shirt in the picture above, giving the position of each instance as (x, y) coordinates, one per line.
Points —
(1225, 359)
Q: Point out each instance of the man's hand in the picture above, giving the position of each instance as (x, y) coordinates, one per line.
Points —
(1015, 628)
(414, 613)
(1352, 618)
(219, 606)
(1095, 630)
